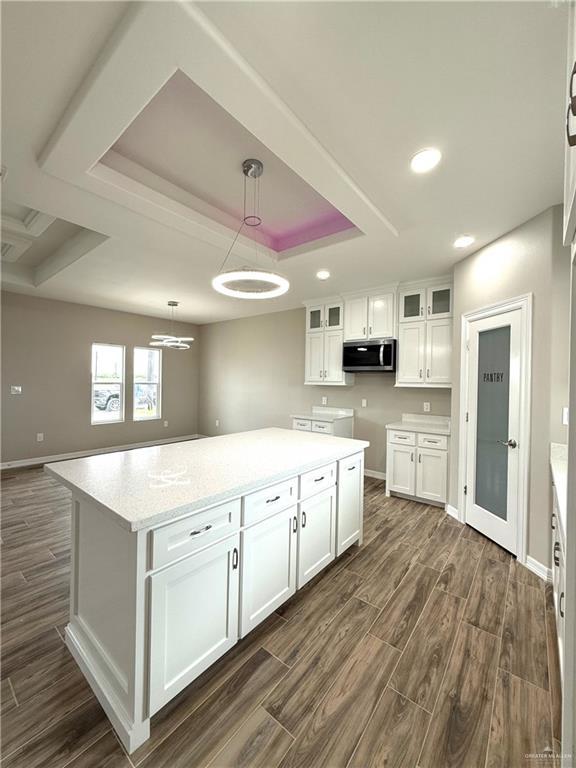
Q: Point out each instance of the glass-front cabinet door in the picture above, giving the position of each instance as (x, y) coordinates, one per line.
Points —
(439, 302)
(315, 318)
(412, 305)
(334, 316)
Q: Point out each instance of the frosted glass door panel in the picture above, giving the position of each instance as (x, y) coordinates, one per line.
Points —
(492, 420)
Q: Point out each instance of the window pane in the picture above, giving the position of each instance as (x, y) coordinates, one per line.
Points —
(107, 362)
(107, 403)
(147, 365)
(146, 401)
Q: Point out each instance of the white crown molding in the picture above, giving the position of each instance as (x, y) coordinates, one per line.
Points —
(126, 77)
(19, 235)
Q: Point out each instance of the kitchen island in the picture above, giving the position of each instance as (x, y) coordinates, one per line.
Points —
(180, 550)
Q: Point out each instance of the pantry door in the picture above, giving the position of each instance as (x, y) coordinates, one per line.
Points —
(494, 501)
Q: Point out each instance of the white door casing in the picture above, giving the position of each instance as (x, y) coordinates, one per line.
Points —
(516, 315)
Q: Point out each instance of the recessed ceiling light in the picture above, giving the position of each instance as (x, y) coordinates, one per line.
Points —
(426, 159)
(323, 274)
(463, 241)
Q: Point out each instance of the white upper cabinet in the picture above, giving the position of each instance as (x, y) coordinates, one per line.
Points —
(356, 319)
(439, 352)
(315, 319)
(333, 373)
(324, 341)
(334, 316)
(314, 358)
(412, 304)
(369, 317)
(320, 317)
(439, 302)
(411, 353)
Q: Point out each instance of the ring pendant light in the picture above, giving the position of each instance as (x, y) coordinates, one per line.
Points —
(168, 340)
(250, 282)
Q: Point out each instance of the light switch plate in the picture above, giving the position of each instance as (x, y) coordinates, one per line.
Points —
(39, 437)
(364, 402)
(565, 416)
(324, 400)
(15, 389)
(426, 407)
(165, 423)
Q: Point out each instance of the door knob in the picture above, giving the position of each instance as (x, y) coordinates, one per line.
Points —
(510, 443)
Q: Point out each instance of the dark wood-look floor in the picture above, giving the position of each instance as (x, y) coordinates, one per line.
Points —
(428, 646)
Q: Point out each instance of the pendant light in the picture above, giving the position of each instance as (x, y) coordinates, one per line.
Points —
(248, 282)
(169, 340)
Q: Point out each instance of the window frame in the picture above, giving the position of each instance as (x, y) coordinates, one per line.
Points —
(121, 383)
(157, 384)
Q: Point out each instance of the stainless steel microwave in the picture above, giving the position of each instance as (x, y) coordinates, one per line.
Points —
(373, 355)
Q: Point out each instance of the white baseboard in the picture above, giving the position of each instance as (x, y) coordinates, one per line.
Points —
(375, 474)
(539, 569)
(33, 462)
(452, 511)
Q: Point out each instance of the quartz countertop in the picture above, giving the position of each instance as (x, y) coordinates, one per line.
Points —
(434, 425)
(559, 467)
(324, 413)
(143, 487)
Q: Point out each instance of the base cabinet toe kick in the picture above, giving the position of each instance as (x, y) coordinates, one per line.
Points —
(152, 609)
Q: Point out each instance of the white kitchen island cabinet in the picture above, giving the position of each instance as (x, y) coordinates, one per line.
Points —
(180, 549)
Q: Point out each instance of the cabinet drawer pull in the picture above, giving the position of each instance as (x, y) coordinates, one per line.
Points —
(234, 559)
(351, 468)
(419, 458)
(421, 311)
(552, 518)
(202, 530)
(364, 331)
(435, 442)
(420, 372)
(560, 606)
(271, 501)
(556, 550)
(412, 457)
(401, 437)
(427, 373)
(303, 519)
(318, 479)
(429, 312)
(294, 524)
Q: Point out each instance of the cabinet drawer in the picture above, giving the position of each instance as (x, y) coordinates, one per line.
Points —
(304, 425)
(193, 533)
(433, 441)
(323, 426)
(261, 504)
(317, 480)
(401, 438)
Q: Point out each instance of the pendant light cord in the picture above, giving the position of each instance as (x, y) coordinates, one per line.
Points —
(256, 214)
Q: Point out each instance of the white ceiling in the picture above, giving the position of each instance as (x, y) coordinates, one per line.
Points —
(369, 83)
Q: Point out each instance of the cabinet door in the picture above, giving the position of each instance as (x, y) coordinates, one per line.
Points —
(314, 358)
(411, 338)
(315, 319)
(402, 469)
(432, 474)
(356, 319)
(333, 372)
(334, 316)
(439, 302)
(268, 567)
(317, 537)
(350, 494)
(412, 306)
(381, 316)
(193, 617)
(439, 352)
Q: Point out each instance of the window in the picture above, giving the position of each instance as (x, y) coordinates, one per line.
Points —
(147, 371)
(107, 383)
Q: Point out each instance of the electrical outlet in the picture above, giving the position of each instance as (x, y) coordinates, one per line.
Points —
(39, 437)
(165, 423)
(426, 407)
(565, 416)
(217, 422)
(15, 389)
(324, 401)
(364, 402)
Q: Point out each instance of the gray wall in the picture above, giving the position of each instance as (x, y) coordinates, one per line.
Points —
(46, 347)
(252, 373)
(518, 263)
(560, 332)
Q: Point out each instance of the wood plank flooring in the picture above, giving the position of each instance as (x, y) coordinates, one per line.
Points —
(428, 647)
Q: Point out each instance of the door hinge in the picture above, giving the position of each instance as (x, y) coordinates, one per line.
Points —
(465, 490)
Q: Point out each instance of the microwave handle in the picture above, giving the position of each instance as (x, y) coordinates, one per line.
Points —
(382, 355)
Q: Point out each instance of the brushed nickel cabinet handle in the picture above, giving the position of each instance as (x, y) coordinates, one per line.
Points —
(560, 606)
(295, 524)
(420, 372)
(318, 479)
(351, 468)
(552, 518)
(271, 501)
(234, 559)
(303, 519)
(202, 530)
(412, 457)
(427, 373)
(556, 550)
(419, 458)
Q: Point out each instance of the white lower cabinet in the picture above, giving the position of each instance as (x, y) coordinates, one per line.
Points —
(350, 502)
(193, 617)
(432, 474)
(401, 473)
(317, 536)
(269, 557)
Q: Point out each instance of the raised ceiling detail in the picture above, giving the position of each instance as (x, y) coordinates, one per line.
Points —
(185, 138)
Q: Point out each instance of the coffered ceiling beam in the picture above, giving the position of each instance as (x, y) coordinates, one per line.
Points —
(69, 252)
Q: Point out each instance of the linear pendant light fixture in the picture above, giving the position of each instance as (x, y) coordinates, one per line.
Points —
(169, 340)
(248, 282)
